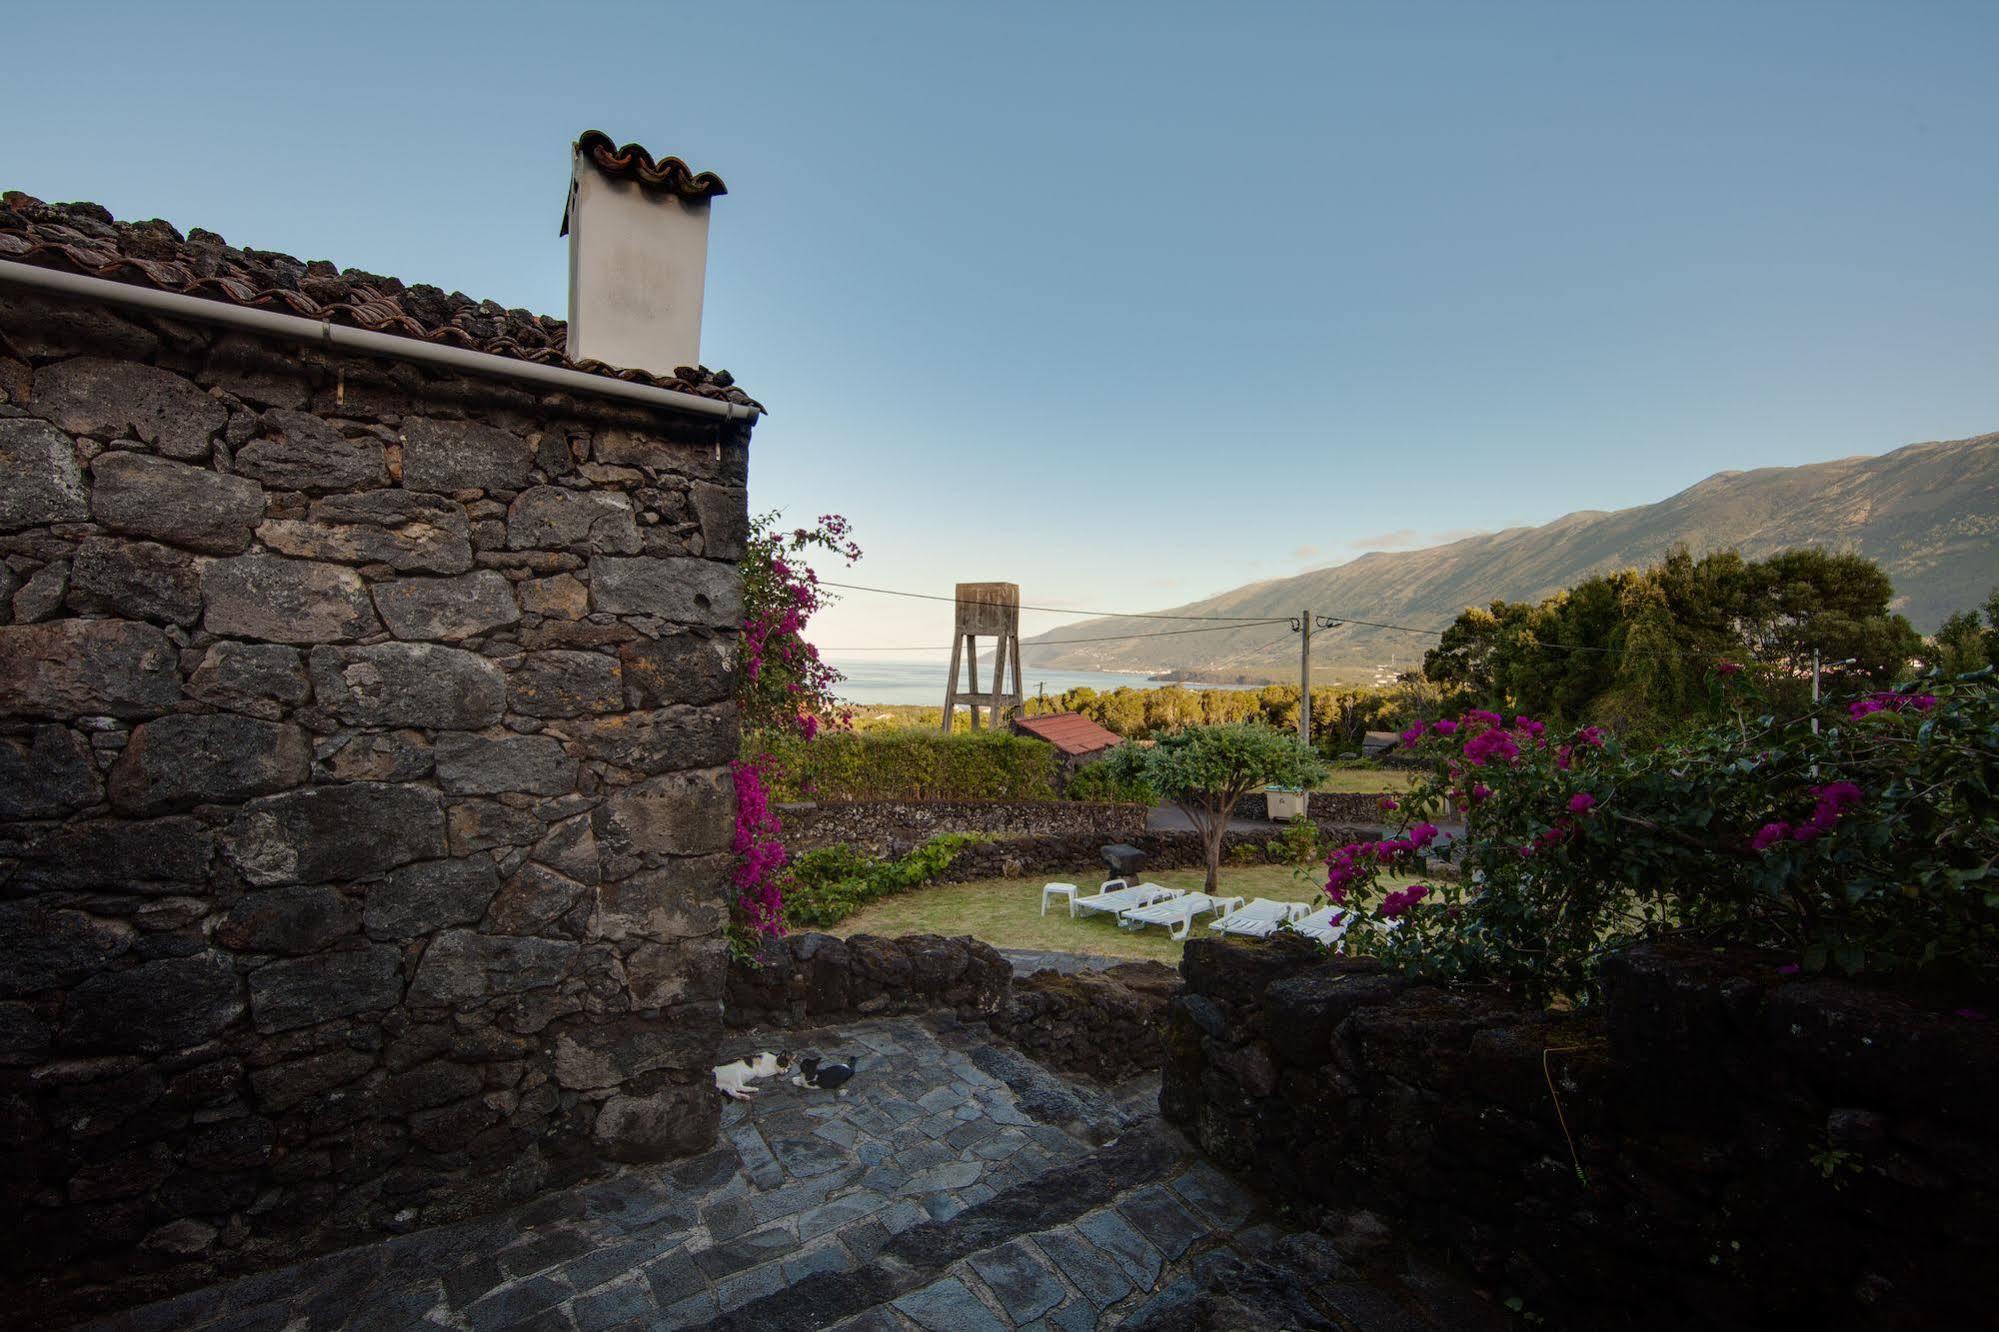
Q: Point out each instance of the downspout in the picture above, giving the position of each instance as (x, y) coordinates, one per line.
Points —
(316, 332)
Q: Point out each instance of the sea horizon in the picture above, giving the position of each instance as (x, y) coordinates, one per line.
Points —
(920, 680)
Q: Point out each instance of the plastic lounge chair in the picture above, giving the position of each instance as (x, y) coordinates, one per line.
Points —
(1261, 917)
(1327, 925)
(1115, 896)
(1177, 913)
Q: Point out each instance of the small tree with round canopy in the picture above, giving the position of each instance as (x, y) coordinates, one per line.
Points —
(1206, 770)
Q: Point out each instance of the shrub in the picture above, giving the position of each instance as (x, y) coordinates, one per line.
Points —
(1100, 782)
(1869, 844)
(833, 882)
(911, 765)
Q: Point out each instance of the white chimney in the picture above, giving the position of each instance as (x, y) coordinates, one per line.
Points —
(638, 256)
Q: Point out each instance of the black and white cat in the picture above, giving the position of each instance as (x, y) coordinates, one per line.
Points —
(733, 1080)
(813, 1072)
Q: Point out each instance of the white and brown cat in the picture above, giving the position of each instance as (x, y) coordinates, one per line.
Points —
(733, 1080)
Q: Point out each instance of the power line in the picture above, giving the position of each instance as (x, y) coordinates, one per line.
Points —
(1065, 642)
(1065, 610)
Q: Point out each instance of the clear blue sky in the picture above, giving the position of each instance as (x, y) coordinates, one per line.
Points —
(1133, 303)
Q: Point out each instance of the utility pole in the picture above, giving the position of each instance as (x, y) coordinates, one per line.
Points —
(1815, 684)
(1304, 623)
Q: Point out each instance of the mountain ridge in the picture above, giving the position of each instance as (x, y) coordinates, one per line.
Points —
(1928, 512)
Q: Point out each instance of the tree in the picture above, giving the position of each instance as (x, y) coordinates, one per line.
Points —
(1206, 770)
(1962, 644)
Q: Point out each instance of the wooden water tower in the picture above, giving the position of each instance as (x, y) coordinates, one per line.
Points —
(990, 610)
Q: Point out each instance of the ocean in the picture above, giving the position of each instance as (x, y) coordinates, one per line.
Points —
(910, 680)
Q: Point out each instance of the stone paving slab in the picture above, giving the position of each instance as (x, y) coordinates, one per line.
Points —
(954, 1187)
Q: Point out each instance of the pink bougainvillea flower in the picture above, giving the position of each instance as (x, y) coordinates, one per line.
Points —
(1839, 795)
(1591, 736)
(1413, 734)
(1923, 702)
(1769, 835)
(1444, 726)
(808, 725)
(1396, 903)
(1528, 725)
(1388, 803)
(1491, 746)
(1581, 803)
(1865, 707)
(1726, 667)
(1481, 715)
(1806, 832)
(1789, 969)
(1480, 791)
(1422, 835)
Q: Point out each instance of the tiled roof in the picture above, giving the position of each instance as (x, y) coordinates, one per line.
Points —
(1070, 732)
(84, 238)
(631, 162)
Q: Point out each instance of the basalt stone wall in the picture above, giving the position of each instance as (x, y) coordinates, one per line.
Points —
(1075, 858)
(364, 810)
(891, 827)
(1102, 1024)
(812, 978)
(1716, 1146)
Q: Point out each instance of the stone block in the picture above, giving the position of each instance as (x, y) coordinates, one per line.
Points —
(80, 668)
(445, 456)
(563, 597)
(43, 950)
(470, 764)
(47, 773)
(724, 513)
(286, 601)
(288, 920)
(481, 825)
(183, 760)
(256, 679)
(446, 608)
(676, 588)
(374, 756)
(463, 965)
(676, 1122)
(301, 452)
(571, 847)
(682, 814)
(661, 740)
(283, 1086)
(42, 595)
(533, 899)
(410, 532)
(173, 502)
(679, 668)
(40, 482)
(154, 1007)
(115, 399)
(335, 833)
(137, 580)
(683, 901)
(555, 518)
(566, 684)
(121, 855)
(417, 899)
(300, 992)
(409, 684)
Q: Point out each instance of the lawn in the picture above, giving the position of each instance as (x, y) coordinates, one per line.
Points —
(1365, 781)
(1007, 912)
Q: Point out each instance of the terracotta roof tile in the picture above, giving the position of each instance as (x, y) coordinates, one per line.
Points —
(84, 238)
(631, 162)
(1070, 732)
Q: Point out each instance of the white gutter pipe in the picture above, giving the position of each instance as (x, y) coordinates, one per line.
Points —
(296, 328)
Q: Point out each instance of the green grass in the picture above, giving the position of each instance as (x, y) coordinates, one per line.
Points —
(1365, 781)
(1007, 912)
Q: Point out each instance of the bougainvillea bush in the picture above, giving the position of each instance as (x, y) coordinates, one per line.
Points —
(783, 689)
(1867, 844)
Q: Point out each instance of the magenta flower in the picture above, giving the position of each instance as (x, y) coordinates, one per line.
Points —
(1581, 803)
(1387, 803)
(1865, 707)
(1591, 736)
(1769, 835)
(1480, 791)
(1397, 903)
(1422, 835)
(1728, 667)
(1413, 734)
(1481, 715)
(1789, 969)
(1528, 725)
(1444, 726)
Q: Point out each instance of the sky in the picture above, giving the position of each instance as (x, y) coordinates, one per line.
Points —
(1134, 303)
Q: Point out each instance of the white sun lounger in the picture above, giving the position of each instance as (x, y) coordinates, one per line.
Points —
(1321, 925)
(1262, 916)
(1177, 913)
(1116, 897)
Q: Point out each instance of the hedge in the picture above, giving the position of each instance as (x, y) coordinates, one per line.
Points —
(911, 765)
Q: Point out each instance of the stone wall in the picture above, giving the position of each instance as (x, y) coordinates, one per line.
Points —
(807, 979)
(891, 827)
(1102, 1024)
(1716, 1146)
(363, 735)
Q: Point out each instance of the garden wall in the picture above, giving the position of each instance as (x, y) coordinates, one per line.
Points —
(363, 736)
(1753, 1151)
(891, 827)
(813, 978)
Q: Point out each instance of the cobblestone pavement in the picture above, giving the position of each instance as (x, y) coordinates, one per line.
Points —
(957, 1187)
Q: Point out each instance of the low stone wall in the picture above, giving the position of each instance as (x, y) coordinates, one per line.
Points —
(1747, 1151)
(891, 827)
(1075, 859)
(1102, 1024)
(1345, 808)
(811, 978)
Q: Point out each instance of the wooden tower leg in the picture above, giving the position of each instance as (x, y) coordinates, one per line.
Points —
(972, 675)
(951, 685)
